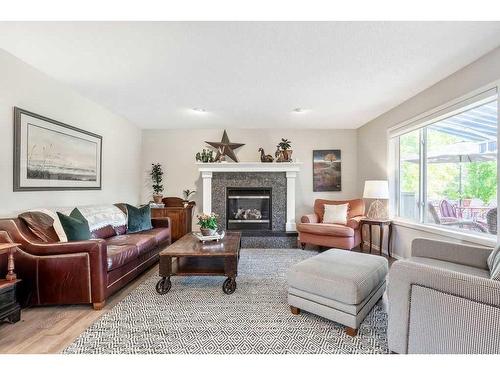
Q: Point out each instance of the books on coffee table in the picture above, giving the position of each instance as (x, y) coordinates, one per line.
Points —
(216, 237)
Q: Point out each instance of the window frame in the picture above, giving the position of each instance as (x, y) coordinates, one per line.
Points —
(475, 98)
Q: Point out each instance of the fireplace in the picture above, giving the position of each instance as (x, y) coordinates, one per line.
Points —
(248, 208)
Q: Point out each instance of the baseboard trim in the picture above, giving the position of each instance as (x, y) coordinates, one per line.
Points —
(377, 249)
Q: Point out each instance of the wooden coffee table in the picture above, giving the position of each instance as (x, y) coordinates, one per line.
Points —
(189, 256)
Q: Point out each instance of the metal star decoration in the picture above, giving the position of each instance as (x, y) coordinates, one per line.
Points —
(225, 147)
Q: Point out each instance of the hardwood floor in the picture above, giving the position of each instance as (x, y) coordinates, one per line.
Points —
(51, 329)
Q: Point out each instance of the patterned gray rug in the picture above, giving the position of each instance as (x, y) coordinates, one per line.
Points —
(196, 317)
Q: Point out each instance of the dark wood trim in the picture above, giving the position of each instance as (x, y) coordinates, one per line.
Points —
(17, 156)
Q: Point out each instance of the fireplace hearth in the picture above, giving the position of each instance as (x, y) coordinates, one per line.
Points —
(262, 203)
(248, 208)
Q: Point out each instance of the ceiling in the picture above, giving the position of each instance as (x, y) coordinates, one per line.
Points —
(249, 74)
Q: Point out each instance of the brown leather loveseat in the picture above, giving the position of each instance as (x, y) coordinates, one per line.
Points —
(81, 272)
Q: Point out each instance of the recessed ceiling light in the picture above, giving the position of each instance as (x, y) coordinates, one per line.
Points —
(299, 110)
(199, 110)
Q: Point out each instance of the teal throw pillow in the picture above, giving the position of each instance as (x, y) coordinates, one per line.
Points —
(139, 219)
(75, 226)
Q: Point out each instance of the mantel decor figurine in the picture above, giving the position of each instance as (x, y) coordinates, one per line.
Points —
(225, 148)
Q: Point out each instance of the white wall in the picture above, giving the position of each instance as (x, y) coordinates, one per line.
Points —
(176, 149)
(372, 137)
(25, 87)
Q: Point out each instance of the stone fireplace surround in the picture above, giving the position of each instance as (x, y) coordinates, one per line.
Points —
(280, 177)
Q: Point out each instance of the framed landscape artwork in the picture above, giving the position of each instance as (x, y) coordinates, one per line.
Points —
(50, 155)
(327, 170)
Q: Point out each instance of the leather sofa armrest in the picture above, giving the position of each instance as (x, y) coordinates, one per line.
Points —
(62, 248)
(310, 218)
(163, 222)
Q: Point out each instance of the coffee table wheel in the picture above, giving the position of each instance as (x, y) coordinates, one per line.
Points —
(163, 285)
(229, 286)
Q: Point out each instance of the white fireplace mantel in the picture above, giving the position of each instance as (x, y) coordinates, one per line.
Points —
(291, 170)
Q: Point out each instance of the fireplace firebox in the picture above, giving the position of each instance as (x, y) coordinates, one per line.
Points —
(248, 208)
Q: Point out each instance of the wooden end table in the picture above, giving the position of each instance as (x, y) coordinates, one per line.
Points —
(381, 223)
(10, 309)
(189, 256)
(9, 248)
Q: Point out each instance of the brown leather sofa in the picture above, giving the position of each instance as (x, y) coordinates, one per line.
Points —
(81, 272)
(312, 230)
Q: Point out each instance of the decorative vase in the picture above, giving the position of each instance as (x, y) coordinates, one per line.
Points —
(284, 156)
(208, 231)
(157, 198)
(287, 155)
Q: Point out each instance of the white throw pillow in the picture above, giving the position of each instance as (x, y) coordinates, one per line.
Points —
(335, 213)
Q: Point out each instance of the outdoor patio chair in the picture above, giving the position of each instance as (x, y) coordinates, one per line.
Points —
(453, 221)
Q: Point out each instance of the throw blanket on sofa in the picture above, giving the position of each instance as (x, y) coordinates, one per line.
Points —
(103, 215)
(98, 216)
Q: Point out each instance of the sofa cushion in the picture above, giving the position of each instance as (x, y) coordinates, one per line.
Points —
(104, 232)
(119, 255)
(139, 218)
(121, 229)
(344, 276)
(57, 223)
(75, 226)
(143, 242)
(161, 234)
(41, 225)
(326, 229)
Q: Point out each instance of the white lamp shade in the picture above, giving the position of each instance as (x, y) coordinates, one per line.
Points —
(376, 189)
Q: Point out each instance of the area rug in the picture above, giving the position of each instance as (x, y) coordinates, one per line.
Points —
(196, 317)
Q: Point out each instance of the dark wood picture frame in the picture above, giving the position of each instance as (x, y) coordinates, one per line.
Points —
(17, 184)
(327, 173)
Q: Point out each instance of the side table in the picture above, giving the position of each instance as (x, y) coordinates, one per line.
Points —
(10, 309)
(381, 223)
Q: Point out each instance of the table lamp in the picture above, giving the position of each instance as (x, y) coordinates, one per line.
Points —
(377, 189)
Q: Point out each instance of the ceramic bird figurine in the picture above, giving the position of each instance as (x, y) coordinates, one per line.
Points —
(265, 158)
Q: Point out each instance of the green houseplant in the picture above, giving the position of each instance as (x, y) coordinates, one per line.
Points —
(208, 224)
(187, 193)
(157, 178)
(285, 149)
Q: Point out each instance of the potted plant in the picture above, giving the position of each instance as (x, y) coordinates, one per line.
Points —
(285, 148)
(208, 224)
(157, 178)
(187, 193)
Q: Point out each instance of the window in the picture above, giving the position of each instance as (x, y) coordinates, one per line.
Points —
(447, 169)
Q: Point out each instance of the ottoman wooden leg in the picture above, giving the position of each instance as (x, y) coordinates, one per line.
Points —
(351, 331)
(295, 310)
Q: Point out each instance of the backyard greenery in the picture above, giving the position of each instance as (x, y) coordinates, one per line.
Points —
(450, 180)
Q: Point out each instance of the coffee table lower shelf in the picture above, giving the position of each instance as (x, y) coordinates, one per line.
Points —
(188, 257)
(198, 266)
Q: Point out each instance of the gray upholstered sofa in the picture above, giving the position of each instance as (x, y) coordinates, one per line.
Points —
(442, 300)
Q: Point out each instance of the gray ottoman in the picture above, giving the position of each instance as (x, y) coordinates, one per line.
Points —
(339, 285)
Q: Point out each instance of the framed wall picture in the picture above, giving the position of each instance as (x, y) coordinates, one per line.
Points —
(50, 155)
(327, 168)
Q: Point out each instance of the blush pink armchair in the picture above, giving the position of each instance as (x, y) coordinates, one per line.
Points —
(312, 230)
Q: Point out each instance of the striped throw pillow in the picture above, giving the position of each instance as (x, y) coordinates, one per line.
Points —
(494, 263)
